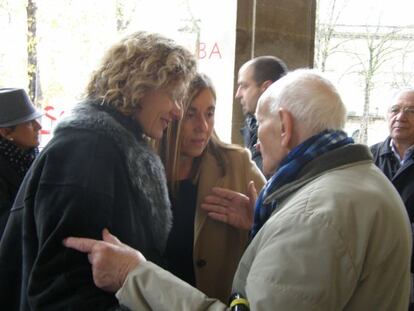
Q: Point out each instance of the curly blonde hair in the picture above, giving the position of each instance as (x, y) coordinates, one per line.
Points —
(138, 64)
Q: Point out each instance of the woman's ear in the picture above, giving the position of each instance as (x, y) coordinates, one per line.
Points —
(286, 127)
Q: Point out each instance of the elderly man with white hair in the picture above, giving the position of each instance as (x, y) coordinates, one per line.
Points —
(330, 231)
(395, 155)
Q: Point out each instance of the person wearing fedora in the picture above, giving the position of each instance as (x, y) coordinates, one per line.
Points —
(19, 139)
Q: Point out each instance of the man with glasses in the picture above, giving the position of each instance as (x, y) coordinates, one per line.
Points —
(395, 155)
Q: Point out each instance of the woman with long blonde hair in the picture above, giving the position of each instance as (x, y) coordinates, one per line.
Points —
(201, 250)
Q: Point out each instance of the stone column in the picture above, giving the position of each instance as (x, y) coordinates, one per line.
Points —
(283, 28)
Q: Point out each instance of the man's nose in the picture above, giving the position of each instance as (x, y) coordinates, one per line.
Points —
(37, 125)
(238, 95)
(401, 115)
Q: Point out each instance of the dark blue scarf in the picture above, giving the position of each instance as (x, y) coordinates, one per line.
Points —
(291, 165)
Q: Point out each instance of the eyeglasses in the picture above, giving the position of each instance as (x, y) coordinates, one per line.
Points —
(409, 111)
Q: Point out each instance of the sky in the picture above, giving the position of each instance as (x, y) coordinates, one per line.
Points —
(388, 12)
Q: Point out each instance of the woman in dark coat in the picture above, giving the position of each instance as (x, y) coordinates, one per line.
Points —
(97, 172)
(19, 138)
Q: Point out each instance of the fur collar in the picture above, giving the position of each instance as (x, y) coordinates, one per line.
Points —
(145, 169)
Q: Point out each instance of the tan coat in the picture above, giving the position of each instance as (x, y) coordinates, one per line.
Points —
(218, 247)
(342, 241)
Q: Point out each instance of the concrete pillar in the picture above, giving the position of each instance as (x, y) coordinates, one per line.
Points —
(283, 28)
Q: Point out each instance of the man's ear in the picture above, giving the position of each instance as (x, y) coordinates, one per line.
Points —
(265, 85)
(286, 127)
(5, 132)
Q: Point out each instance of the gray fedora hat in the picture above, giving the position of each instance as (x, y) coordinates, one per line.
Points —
(16, 107)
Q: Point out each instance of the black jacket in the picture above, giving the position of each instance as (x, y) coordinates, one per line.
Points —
(10, 181)
(249, 133)
(401, 177)
(94, 173)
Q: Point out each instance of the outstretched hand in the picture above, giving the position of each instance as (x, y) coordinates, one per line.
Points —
(231, 207)
(111, 260)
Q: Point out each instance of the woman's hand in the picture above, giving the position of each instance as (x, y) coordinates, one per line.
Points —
(231, 207)
(111, 260)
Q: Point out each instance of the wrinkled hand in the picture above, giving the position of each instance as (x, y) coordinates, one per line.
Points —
(231, 207)
(111, 260)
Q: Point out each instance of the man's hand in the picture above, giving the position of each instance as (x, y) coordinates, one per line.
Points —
(231, 207)
(111, 260)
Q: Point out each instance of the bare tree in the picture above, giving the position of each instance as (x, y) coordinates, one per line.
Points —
(404, 77)
(32, 64)
(124, 13)
(4, 8)
(373, 48)
(4, 13)
(192, 26)
(326, 21)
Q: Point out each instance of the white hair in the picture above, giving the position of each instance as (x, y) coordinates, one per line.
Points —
(394, 98)
(396, 95)
(311, 98)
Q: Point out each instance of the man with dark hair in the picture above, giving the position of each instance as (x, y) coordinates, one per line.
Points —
(255, 76)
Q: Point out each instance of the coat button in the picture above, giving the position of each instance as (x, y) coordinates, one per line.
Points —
(201, 263)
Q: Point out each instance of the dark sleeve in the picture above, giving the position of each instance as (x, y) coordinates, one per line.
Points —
(62, 277)
(257, 158)
(5, 205)
(251, 144)
(374, 149)
(73, 197)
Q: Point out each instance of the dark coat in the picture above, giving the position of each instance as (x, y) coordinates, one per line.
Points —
(249, 133)
(10, 181)
(401, 177)
(94, 174)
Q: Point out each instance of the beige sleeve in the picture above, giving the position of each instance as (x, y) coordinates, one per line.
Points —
(149, 287)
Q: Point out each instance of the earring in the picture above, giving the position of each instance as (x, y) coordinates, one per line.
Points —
(11, 138)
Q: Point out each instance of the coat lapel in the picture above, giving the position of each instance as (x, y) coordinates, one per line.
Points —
(209, 178)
